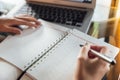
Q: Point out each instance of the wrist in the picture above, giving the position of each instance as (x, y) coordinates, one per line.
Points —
(87, 76)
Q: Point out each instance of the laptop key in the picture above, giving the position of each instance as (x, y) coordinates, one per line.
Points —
(78, 24)
(58, 15)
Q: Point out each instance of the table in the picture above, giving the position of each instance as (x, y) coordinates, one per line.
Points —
(99, 15)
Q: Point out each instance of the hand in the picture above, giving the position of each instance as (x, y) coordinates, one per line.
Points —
(89, 66)
(6, 24)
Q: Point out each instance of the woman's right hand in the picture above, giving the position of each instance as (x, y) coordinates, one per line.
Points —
(89, 66)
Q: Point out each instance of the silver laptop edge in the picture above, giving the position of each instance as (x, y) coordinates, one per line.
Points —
(85, 26)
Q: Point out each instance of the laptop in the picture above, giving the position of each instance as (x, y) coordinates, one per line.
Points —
(73, 14)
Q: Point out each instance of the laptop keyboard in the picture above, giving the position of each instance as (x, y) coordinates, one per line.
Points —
(56, 14)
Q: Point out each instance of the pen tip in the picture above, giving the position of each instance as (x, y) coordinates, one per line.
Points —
(113, 62)
(81, 45)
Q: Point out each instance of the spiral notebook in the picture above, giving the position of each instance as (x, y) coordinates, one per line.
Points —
(48, 53)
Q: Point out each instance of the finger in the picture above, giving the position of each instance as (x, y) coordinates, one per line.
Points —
(13, 30)
(84, 51)
(29, 18)
(23, 15)
(96, 48)
(22, 22)
(91, 55)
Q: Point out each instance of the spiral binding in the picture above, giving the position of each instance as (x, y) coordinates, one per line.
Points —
(46, 52)
(50, 51)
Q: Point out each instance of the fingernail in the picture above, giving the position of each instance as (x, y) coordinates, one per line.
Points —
(33, 27)
(90, 55)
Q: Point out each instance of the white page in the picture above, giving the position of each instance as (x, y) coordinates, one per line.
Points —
(59, 63)
(22, 50)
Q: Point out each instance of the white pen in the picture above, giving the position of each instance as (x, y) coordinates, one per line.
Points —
(105, 58)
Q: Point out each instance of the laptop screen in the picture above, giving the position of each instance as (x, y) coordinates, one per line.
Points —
(74, 3)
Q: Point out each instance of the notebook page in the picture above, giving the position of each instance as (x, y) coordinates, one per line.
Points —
(22, 50)
(59, 63)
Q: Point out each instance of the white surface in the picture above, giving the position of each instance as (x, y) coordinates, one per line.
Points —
(118, 11)
(101, 15)
(15, 2)
(8, 72)
(5, 7)
(102, 10)
(22, 50)
(10, 6)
